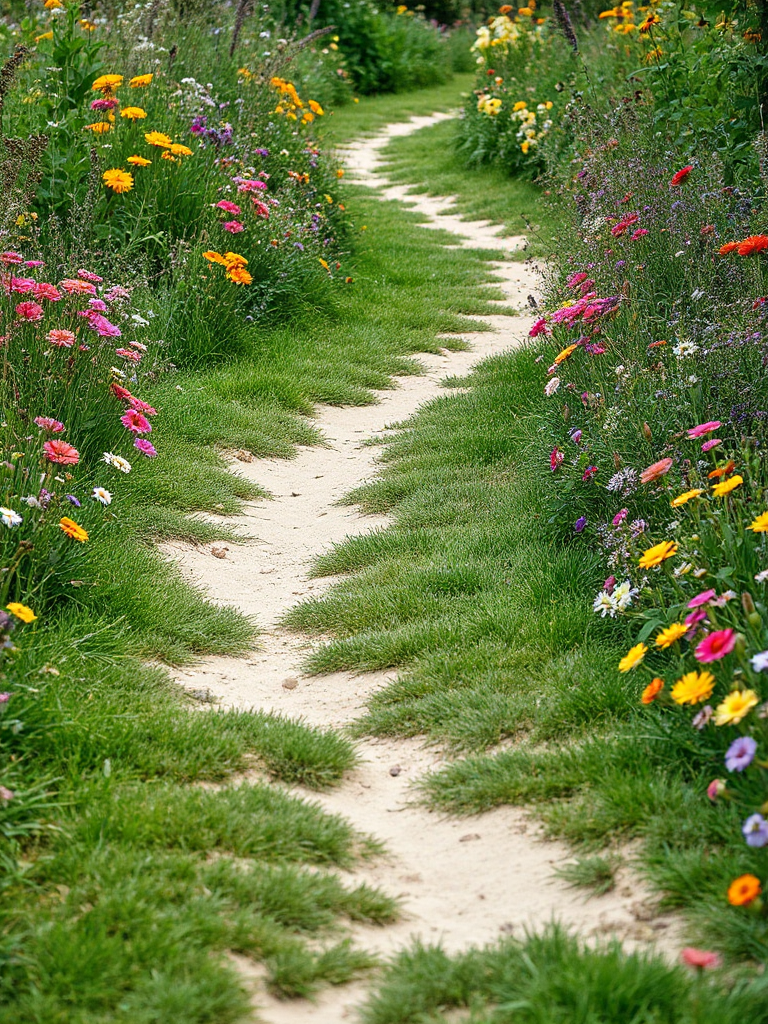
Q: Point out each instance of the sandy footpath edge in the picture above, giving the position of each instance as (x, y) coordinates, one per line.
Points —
(462, 881)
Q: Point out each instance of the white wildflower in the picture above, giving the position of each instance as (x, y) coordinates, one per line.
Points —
(9, 518)
(117, 461)
(552, 387)
(102, 495)
(604, 604)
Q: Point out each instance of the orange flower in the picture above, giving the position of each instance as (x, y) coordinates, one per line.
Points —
(722, 471)
(70, 527)
(743, 890)
(239, 275)
(652, 690)
(752, 245)
(562, 356)
(728, 247)
(214, 257)
(656, 470)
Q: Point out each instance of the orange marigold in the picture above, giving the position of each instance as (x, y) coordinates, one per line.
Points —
(743, 890)
(70, 527)
(652, 690)
(752, 245)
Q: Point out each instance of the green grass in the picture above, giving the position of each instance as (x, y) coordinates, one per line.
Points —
(595, 873)
(552, 979)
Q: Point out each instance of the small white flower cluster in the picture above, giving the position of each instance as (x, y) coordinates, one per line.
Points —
(618, 600)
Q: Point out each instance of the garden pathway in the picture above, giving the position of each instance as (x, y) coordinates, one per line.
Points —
(462, 881)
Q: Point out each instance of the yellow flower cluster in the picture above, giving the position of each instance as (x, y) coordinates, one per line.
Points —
(233, 263)
(291, 103)
(531, 132)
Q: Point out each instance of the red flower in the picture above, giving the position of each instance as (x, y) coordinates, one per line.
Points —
(728, 247)
(29, 311)
(556, 458)
(135, 422)
(61, 452)
(753, 244)
(681, 175)
(120, 392)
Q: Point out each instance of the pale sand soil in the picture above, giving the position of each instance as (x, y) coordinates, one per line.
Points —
(462, 881)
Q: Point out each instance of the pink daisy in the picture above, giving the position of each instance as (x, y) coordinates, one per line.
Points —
(701, 599)
(120, 392)
(22, 285)
(260, 209)
(61, 337)
(61, 452)
(234, 227)
(97, 305)
(50, 425)
(86, 275)
(102, 326)
(139, 406)
(135, 422)
(716, 645)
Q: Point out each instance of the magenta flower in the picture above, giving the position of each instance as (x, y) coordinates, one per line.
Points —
(100, 324)
(555, 459)
(695, 618)
(139, 406)
(575, 279)
(716, 645)
(228, 207)
(703, 429)
(48, 424)
(47, 291)
(703, 598)
(22, 285)
(589, 473)
(29, 311)
(145, 447)
(135, 422)
(709, 445)
(619, 518)
(97, 305)
(234, 227)
(539, 327)
(639, 233)
(88, 276)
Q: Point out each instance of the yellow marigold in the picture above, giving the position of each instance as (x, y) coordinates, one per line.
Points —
(562, 356)
(670, 634)
(693, 688)
(133, 113)
(158, 139)
(70, 527)
(316, 108)
(214, 257)
(736, 705)
(234, 259)
(633, 657)
(180, 150)
(657, 554)
(140, 80)
(21, 611)
(167, 155)
(107, 83)
(520, 105)
(759, 524)
(119, 181)
(139, 161)
(743, 890)
(99, 127)
(682, 499)
(721, 489)
(239, 275)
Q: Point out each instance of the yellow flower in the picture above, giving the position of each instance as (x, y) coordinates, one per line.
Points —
(139, 161)
(657, 554)
(119, 181)
(736, 705)
(719, 490)
(167, 155)
(87, 26)
(21, 611)
(180, 150)
(239, 274)
(107, 83)
(70, 527)
(43, 36)
(134, 113)
(140, 80)
(324, 264)
(520, 105)
(670, 634)
(681, 499)
(525, 12)
(693, 688)
(51, 5)
(234, 259)
(633, 658)
(316, 108)
(562, 356)
(245, 73)
(158, 139)
(99, 127)
(214, 257)
(525, 146)
(759, 524)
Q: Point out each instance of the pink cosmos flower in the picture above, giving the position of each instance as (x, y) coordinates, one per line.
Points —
(61, 452)
(555, 459)
(701, 599)
(139, 406)
(234, 227)
(86, 275)
(48, 424)
(540, 327)
(60, 337)
(639, 233)
(22, 285)
(29, 311)
(126, 353)
(655, 470)
(712, 443)
(716, 645)
(145, 447)
(10, 257)
(135, 422)
(260, 209)
(43, 290)
(228, 207)
(700, 958)
(703, 429)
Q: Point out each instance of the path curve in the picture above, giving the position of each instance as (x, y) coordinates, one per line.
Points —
(462, 881)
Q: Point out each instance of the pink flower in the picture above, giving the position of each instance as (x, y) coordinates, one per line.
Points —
(104, 104)
(609, 584)
(260, 209)
(694, 618)
(540, 327)
(700, 958)
(656, 470)
(555, 459)
(6, 794)
(10, 257)
(681, 175)
(715, 789)
(575, 279)
(145, 447)
(22, 285)
(29, 311)
(228, 207)
(703, 598)
(639, 233)
(716, 645)
(138, 345)
(61, 452)
(48, 424)
(34, 263)
(139, 406)
(43, 290)
(248, 185)
(120, 392)
(135, 422)
(703, 429)
(88, 276)
(73, 286)
(117, 292)
(97, 305)
(589, 473)
(234, 227)
(619, 518)
(709, 445)
(101, 325)
(126, 353)
(61, 338)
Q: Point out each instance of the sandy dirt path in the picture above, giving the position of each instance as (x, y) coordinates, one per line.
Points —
(462, 881)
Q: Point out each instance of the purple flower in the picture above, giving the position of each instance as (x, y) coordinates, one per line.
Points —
(145, 447)
(261, 152)
(73, 500)
(740, 754)
(576, 437)
(755, 831)
(580, 523)
(701, 719)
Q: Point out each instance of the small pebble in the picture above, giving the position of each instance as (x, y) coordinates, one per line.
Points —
(395, 770)
(219, 551)
(469, 837)
(290, 684)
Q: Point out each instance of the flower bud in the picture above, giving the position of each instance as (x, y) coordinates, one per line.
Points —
(747, 603)
(716, 789)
